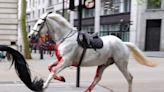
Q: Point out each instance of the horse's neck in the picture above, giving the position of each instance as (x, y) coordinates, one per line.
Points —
(58, 36)
(59, 30)
(60, 33)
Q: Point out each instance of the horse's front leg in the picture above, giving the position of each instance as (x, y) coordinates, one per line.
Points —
(59, 67)
(50, 68)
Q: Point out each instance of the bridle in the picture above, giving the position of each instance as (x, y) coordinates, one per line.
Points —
(42, 24)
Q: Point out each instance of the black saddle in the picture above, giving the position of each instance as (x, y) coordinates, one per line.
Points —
(92, 41)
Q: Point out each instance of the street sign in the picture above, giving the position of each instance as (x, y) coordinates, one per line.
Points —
(89, 4)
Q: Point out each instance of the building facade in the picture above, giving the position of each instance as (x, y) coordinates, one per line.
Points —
(8, 22)
(35, 8)
(108, 17)
(139, 22)
(147, 30)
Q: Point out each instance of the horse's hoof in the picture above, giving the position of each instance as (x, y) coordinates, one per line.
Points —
(87, 91)
(44, 86)
(62, 79)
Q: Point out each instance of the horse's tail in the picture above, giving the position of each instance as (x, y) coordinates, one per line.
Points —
(22, 69)
(140, 57)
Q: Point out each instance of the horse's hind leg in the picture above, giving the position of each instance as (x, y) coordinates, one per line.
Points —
(123, 68)
(97, 78)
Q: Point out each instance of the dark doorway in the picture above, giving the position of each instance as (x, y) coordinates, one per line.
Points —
(153, 30)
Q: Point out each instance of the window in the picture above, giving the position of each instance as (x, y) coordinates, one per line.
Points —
(33, 14)
(110, 7)
(114, 29)
(126, 5)
(114, 6)
(33, 3)
(38, 12)
(87, 13)
(50, 2)
(43, 11)
(76, 14)
(104, 30)
(67, 14)
(153, 4)
(38, 2)
(29, 3)
(89, 29)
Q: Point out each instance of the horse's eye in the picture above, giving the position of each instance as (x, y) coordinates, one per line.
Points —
(39, 24)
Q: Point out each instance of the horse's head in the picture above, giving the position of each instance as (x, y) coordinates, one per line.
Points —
(40, 28)
(53, 24)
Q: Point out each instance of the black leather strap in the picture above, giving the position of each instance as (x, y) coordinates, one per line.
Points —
(82, 56)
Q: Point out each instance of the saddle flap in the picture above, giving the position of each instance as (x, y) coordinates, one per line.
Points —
(86, 40)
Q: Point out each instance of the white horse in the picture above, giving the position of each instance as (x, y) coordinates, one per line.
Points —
(68, 51)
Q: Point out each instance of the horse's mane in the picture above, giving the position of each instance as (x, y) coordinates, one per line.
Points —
(61, 20)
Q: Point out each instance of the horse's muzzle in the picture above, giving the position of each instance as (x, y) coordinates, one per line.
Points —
(33, 38)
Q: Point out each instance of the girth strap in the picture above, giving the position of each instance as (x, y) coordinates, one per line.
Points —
(82, 56)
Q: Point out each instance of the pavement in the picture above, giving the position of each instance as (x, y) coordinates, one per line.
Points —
(9, 82)
(157, 54)
(145, 79)
(54, 87)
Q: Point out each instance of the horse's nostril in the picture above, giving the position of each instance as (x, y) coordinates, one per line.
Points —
(29, 36)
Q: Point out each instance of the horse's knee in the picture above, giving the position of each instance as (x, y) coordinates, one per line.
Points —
(51, 65)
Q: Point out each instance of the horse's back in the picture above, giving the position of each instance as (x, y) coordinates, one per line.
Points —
(119, 49)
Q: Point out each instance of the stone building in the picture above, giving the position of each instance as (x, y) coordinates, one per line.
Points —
(147, 30)
(8, 22)
(35, 8)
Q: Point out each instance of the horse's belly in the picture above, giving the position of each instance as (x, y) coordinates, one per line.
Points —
(94, 62)
(95, 59)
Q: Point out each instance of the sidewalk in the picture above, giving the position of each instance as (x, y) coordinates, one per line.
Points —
(54, 87)
(158, 54)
